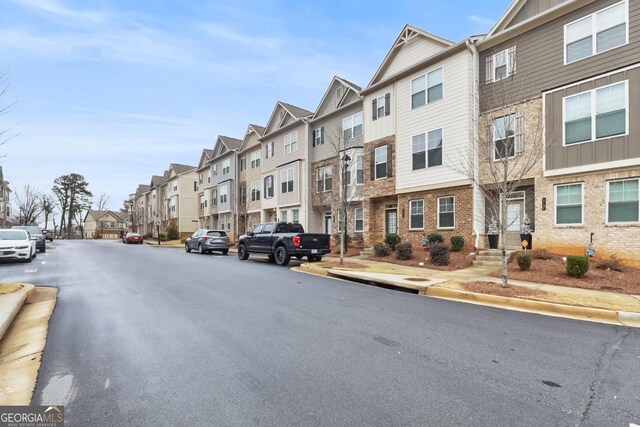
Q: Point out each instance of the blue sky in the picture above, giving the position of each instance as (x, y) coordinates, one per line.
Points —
(116, 90)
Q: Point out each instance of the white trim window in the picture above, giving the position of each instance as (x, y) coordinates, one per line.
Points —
(569, 204)
(324, 177)
(255, 159)
(504, 135)
(380, 107)
(416, 215)
(318, 136)
(291, 142)
(427, 88)
(224, 196)
(359, 169)
(286, 181)
(599, 32)
(226, 166)
(381, 162)
(214, 169)
(352, 126)
(283, 215)
(446, 212)
(295, 216)
(419, 151)
(623, 201)
(255, 191)
(214, 197)
(596, 114)
(268, 187)
(500, 65)
(268, 150)
(358, 218)
(434, 148)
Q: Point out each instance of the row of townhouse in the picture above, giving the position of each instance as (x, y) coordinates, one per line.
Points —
(5, 202)
(414, 150)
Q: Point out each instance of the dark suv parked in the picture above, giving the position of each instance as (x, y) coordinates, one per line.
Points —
(36, 233)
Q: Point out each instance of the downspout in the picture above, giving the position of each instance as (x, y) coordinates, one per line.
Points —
(474, 88)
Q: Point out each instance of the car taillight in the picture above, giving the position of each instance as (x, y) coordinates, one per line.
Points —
(296, 240)
(205, 238)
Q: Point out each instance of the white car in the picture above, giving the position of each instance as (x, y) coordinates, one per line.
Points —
(17, 244)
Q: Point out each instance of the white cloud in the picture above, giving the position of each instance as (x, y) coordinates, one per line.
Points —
(225, 33)
(54, 8)
(479, 20)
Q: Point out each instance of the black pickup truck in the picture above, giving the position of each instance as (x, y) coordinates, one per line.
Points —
(283, 240)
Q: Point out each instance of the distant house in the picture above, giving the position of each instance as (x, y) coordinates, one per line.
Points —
(5, 204)
(104, 225)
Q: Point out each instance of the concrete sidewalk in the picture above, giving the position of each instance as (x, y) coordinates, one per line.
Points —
(584, 304)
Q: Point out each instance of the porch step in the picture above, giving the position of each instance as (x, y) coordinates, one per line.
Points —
(491, 257)
(497, 264)
(366, 252)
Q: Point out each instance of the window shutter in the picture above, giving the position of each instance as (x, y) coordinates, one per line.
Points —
(519, 138)
(490, 146)
(372, 175)
(374, 109)
(489, 70)
(512, 59)
(313, 138)
(389, 160)
(387, 104)
(322, 135)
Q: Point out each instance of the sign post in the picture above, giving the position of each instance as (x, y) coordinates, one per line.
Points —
(157, 224)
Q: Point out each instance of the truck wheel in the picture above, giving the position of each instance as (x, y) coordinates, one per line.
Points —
(242, 253)
(282, 256)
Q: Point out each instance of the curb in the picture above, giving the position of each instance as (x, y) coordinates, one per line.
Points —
(11, 304)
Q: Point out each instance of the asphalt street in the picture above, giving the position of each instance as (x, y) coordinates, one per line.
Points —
(147, 336)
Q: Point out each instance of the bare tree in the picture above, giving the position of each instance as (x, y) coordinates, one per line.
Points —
(29, 206)
(47, 204)
(5, 134)
(103, 202)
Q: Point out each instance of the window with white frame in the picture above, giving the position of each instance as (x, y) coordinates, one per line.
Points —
(242, 194)
(434, 148)
(419, 151)
(318, 136)
(283, 216)
(200, 178)
(268, 187)
(359, 169)
(352, 126)
(427, 88)
(569, 204)
(223, 194)
(416, 214)
(381, 162)
(379, 106)
(340, 219)
(255, 191)
(358, 217)
(286, 181)
(268, 150)
(243, 164)
(291, 142)
(201, 202)
(623, 201)
(226, 166)
(214, 198)
(504, 132)
(324, 178)
(214, 168)
(255, 159)
(446, 212)
(596, 33)
(596, 114)
(295, 216)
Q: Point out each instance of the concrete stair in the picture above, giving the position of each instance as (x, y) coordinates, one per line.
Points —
(491, 257)
(366, 252)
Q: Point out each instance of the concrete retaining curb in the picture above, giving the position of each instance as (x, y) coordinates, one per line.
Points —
(11, 304)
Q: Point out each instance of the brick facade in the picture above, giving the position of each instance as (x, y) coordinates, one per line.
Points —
(377, 193)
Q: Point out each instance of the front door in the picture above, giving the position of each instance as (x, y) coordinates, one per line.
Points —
(391, 222)
(515, 221)
(328, 224)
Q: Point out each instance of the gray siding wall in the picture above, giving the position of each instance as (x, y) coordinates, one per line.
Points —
(533, 8)
(540, 59)
(605, 150)
(332, 134)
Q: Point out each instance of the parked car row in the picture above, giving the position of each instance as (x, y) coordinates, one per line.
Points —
(17, 244)
(133, 238)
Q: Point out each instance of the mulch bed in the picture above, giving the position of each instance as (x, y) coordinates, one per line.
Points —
(457, 260)
(497, 289)
(553, 272)
(351, 251)
(336, 264)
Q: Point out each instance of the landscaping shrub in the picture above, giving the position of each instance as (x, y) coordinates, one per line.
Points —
(148, 236)
(392, 240)
(612, 263)
(541, 254)
(435, 238)
(439, 254)
(457, 243)
(577, 266)
(381, 250)
(172, 231)
(404, 251)
(357, 240)
(524, 262)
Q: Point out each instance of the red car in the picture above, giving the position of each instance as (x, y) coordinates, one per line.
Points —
(132, 238)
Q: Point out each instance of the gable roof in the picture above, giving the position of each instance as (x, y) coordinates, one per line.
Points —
(142, 188)
(408, 33)
(205, 157)
(230, 143)
(156, 181)
(180, 169)
(258, 130)
(296, 113)
(336, 79)
(96, 215)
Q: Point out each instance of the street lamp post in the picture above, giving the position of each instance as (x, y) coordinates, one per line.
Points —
(345, 167)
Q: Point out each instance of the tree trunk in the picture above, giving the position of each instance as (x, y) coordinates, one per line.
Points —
(503, 239)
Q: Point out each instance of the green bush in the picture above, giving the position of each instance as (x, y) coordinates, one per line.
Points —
(457, 243)
(172, 231)
(162, 237)
(524, 262)
(381, 250)
(439, 254)
(577, 266)
(392, 240)
(435, 238)
(404, 251)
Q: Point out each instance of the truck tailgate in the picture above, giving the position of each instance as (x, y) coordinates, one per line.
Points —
(314, 241)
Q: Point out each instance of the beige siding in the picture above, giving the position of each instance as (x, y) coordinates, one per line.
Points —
(251, 175)
(382, 126)
(451, 114)
(333, 134)
(540, 59)
(415, 50)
